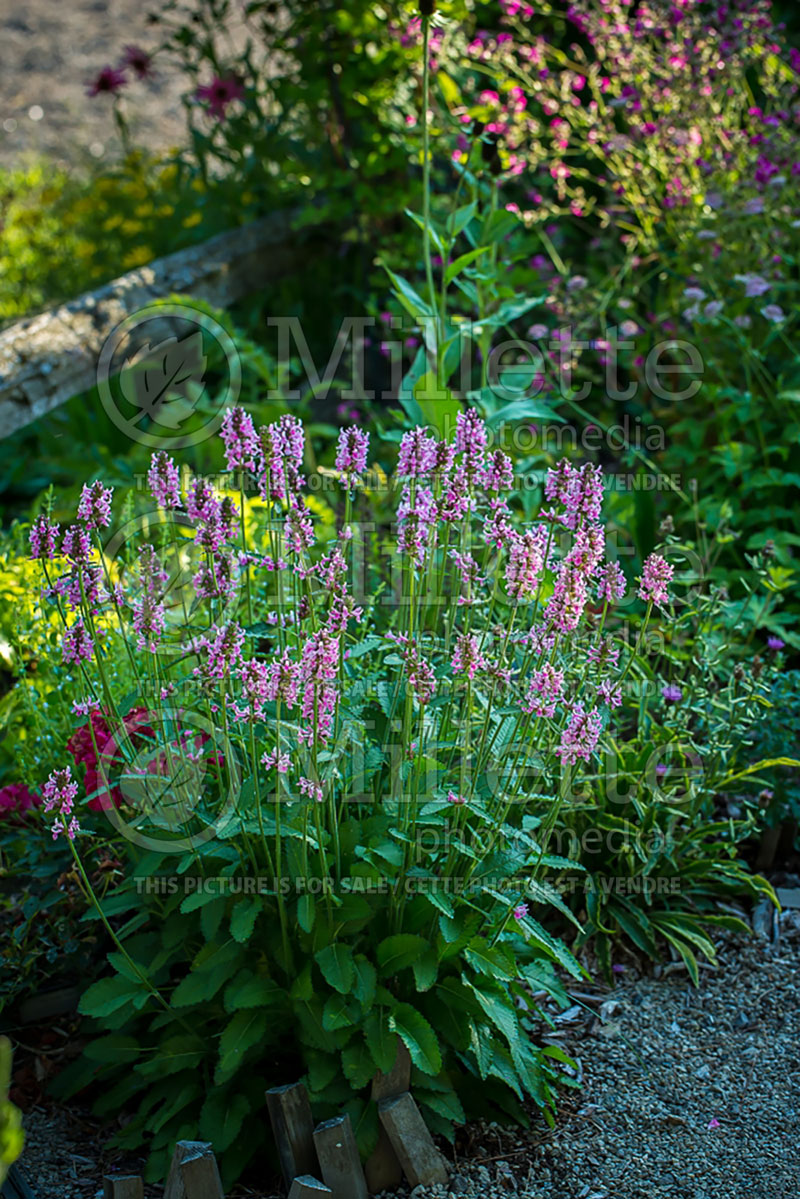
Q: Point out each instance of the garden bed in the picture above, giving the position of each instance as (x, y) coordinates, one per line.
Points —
(687, 1093)
(398, 688)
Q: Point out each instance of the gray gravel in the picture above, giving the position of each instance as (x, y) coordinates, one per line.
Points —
(661, 1061)
(49, 49)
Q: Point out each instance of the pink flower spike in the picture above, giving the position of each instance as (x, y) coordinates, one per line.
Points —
(713, 1122)
(94, 508)
(164, 480)
(520, 911)
(351, 454)
(43, 538)
(656, 575)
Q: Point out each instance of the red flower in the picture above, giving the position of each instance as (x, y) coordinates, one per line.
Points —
(139, 61)
(16, 798)
(99, 770)
(219, 93)
(108, 81)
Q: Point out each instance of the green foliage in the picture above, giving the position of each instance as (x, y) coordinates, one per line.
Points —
(11, 1135)
(661, 835)
(62, 234)
(197, 1021)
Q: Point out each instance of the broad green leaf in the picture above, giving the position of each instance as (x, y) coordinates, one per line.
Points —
(222, 1117)
(500, 1011)
(243, 918)
(398, 952)
(306, 910)
(490, 960)
(184, 1051)
(107, 996)
(418, 1038)
(248, 990)
(426, 968)
(365, 984)
(336, 964)
(457, 265)
(411, 300)
(381, 1039)
(339, 1012)
(358, 1065)
(114, 1048)
(246, 1029)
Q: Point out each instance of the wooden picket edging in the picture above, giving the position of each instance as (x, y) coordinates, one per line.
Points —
(322, 1160)
(325, 1160)
(47, 359)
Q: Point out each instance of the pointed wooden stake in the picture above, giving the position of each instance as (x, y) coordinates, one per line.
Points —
(383, 1170)
(397, 1081)
(193, 1173)
(123, 1186)
(422, 1162)
(339, 1161)
(200, 1178)
(293, 1128)
(307, 1187)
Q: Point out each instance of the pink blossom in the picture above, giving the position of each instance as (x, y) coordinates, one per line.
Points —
(139, 61)
(416, 518)
(545, 689)
(107, 81)
(242, 448)
(351, 454)
(319, 667)
(611, 583)
(498, 474)
(568, 601)
(283, 679)
(609, 694)
(164, 480)
(298, 530)
(15, 797)
(467, 657)
(43, 538)
(471, 440)
(525, 562)
(418, 454)
(219, 93)
(283, 447)
(656, 575)
(579, 739)
(311, 789)
(223, 651)
(149, 618)
(94, 507)
(201, 501)
(77, 645)
(276, 758)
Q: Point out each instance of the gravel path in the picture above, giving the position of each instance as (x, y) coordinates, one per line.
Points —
(687, 1094)
(48, 51)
